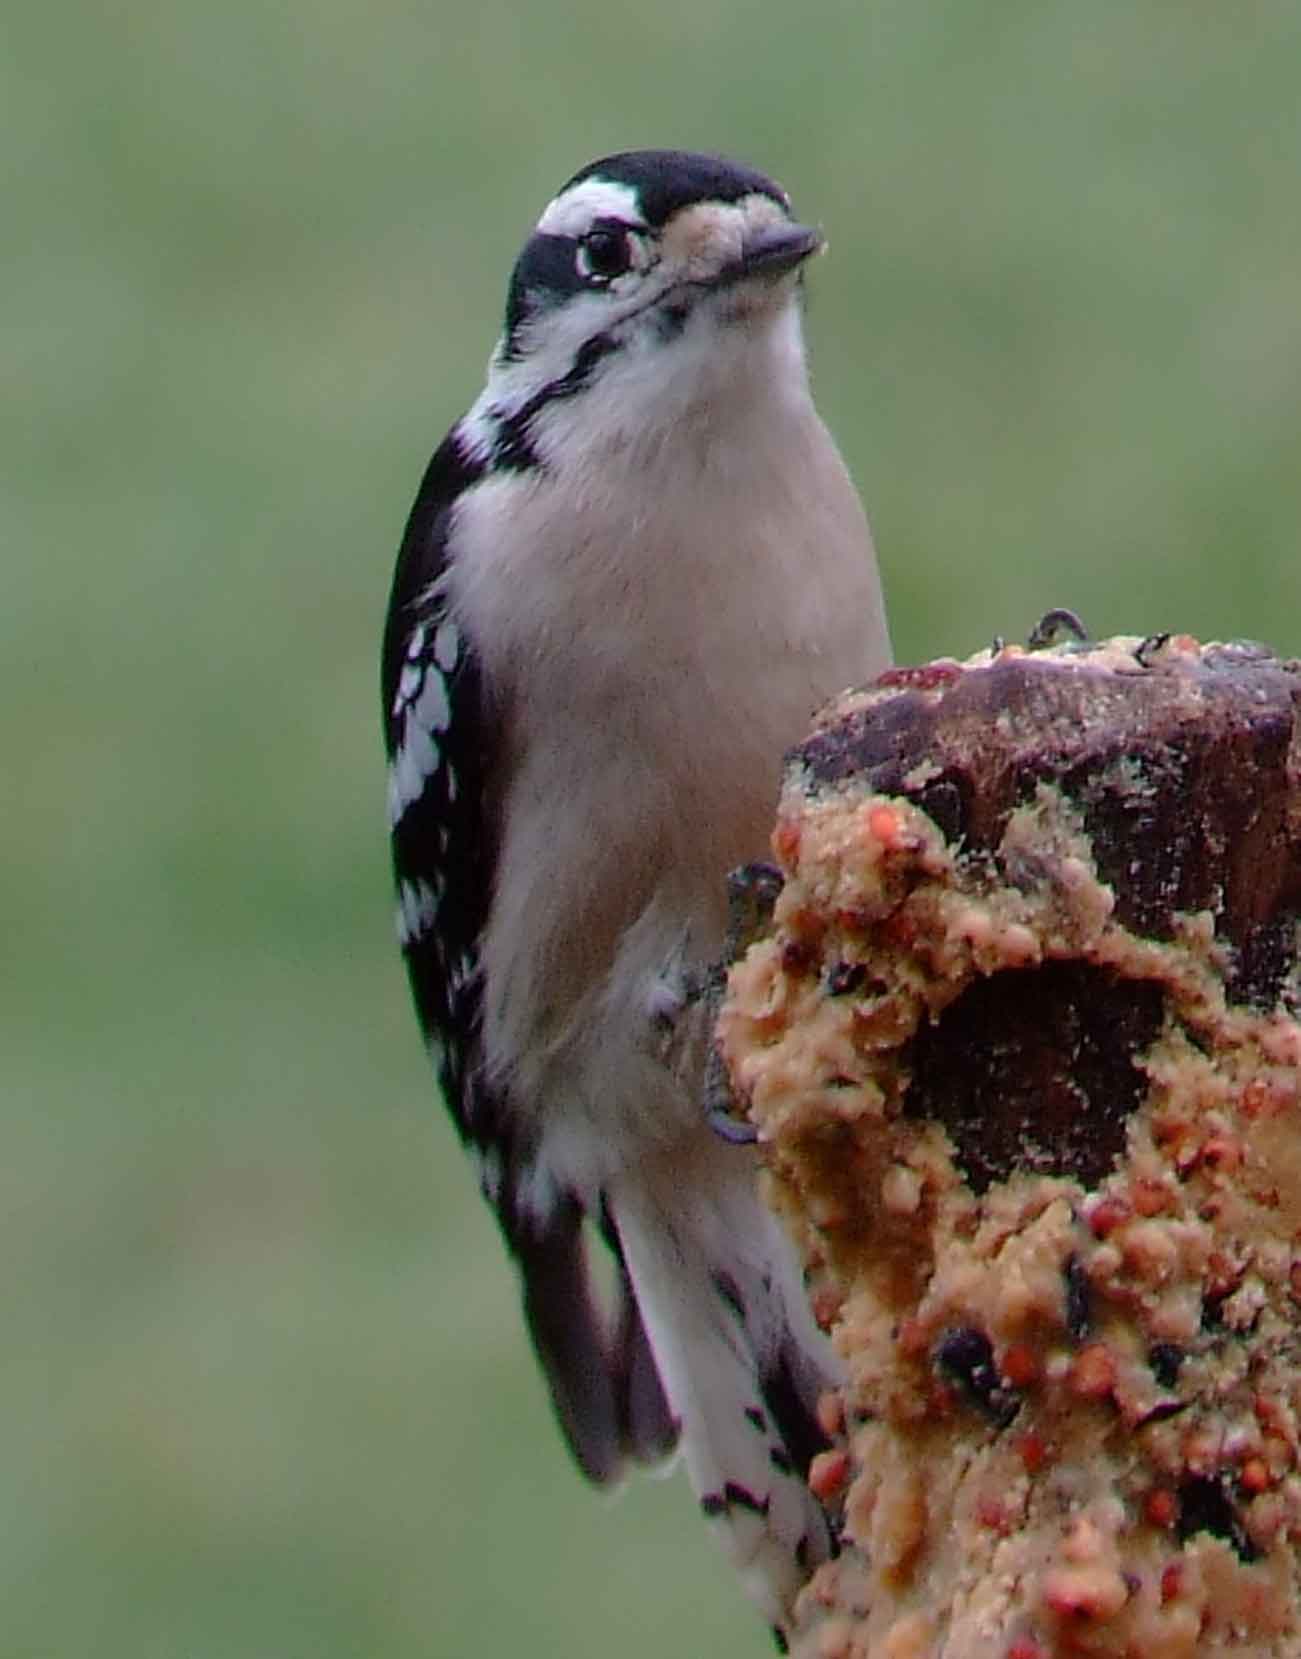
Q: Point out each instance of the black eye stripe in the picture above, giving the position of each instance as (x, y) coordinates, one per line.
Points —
(544, 275)
(549, 270)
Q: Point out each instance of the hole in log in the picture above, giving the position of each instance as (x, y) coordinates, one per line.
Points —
(1033, 1069)
(1204, 1506)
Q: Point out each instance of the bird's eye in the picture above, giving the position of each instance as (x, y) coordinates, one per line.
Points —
(604, 254)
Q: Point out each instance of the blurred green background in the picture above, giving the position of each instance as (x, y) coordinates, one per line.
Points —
(265, 1393)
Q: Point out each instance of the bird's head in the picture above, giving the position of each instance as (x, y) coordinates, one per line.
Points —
(654, 278)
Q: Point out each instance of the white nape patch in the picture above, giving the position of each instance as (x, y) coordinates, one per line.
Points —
(573, 210)
(417, 910)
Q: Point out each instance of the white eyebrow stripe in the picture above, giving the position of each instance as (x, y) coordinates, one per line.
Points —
(573, 210)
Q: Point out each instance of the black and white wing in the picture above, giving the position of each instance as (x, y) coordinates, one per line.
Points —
(440, 731)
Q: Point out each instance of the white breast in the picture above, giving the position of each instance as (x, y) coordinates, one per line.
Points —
(657, 616)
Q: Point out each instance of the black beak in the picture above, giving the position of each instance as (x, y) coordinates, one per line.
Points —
(773, 251)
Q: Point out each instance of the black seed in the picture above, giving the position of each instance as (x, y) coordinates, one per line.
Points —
(779, 1459)
(844, 977)
(1162, 1411)
(1052, 625)
(1165, 1358)
(967, 1356)
(941, 801)
(713, 1503)
(756, 1418)
(1078, 1298)
(1149, 648)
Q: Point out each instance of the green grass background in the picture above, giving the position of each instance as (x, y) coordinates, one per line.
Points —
(264, 1393)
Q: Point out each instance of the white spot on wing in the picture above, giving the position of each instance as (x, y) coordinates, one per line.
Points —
(432, 712)
(417, 910)
(411, 768)
(424, 722)
(447, 645)
(408, 683)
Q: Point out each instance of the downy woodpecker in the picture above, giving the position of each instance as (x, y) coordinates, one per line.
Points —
(632, 572)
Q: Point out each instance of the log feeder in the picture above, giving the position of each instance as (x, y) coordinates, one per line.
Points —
(1020, 1043)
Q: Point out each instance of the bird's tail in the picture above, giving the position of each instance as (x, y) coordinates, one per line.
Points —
(741, 1360)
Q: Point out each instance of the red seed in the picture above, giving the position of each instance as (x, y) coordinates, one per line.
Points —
(1093, 1372)
(1080, 1593)
(828, 1473)
(1032, 1449)
(1108, 1214)
(925, 677)
(1269, 1414)
(1161, 1507)
(1171, 1580)
(826, 1305)
(1223, 1274)
(1255, 1476)
(1020, 1364)
(786, 843)
(942, 1400)
(831, 1413)
(992, 1513)
(1278, 1455)
(1150, 1197)
(884, 823)
(1269, 1094)
(1222, 1152)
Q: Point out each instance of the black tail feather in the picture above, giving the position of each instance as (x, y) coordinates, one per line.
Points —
(602, 1376)
(650, 1429)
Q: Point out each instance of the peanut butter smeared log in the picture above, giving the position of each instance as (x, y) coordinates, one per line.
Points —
(1020, 1044)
